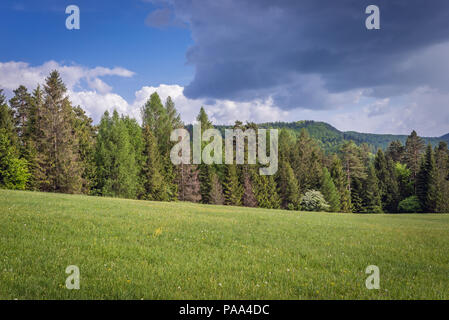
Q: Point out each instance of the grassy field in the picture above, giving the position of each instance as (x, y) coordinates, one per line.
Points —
(128, 249)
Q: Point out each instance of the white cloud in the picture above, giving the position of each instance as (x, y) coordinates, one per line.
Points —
(425, 109)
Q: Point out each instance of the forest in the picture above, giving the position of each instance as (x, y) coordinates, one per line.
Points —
(49, 145)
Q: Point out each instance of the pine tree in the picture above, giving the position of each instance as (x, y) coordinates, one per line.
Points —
(352, 163)
(442, 173)
(161, 122)
(216, 193)
(426, 182)
(153, 180)
(414, 147)
(306, 162)
(205, 170)
(231, 187)
(340, 181)
(58, 147)
(371, 194)
(288, 186)
(189, 184)
(330, 192)
(20, 104)
(7, 121)
(248, 197)
(387, 182)
(395, 151)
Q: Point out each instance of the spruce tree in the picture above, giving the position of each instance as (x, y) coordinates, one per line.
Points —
(58, 146)
(288, 186)
(330, 192)
(340, 181)
(216, 193)
(153, 180)
(371, 195)
(414, 147)
(426, 182)
(231, 187)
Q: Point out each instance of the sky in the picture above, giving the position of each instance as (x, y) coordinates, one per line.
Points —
(241, 59)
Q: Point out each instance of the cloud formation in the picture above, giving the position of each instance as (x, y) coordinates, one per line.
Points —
(313, 54)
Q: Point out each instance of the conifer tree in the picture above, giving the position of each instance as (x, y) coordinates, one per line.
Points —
(340, 181)
(426, 182)
(58, 146)
(414, 147)
(231, 187)
(205, 170)
(288, 186)
(387, 182)
(189, 184)
(153, 180)
(442, 173)
(371, 194)
(216, 193)
(330, 192)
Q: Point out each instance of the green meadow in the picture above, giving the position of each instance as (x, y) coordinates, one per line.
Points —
(129, 249)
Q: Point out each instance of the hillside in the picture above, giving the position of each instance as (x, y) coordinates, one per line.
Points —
(128, 249)
(331, 138)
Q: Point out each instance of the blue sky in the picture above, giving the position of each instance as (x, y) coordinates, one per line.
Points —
(241, 59)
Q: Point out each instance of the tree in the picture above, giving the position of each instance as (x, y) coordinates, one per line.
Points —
(442, 173)
(288, 186)
(233, 191)
(306, 162)
(340, 181)
(426, 182)
(216, 193)
(189, 185)
(161, 122)
(387, 182)
(20, 104)
(248, 197)
(410, 205)
(204, 169)
(352, 163)
(58, 146)
(153, 180)
(13, 170)
(330, 192)
(413, 150)
(313, 200)
(395, 151)
(371, 195)
(117, 169)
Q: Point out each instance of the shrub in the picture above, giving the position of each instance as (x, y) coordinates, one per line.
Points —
(313, 200)
(410, 204)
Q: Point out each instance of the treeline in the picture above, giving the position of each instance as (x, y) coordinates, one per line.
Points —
(46, 144)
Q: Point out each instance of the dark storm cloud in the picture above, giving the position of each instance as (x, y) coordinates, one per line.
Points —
(299, 51)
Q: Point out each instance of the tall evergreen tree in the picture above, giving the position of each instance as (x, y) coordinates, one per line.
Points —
(288, 186)
(395, 151)
(232, 189)
(216, 193)
(426, 182)
(442, 176)
(58, 146)
(414, 147)
(205, 170)
(341, 183)
(153, 180)
(371, 195)
(330, 192)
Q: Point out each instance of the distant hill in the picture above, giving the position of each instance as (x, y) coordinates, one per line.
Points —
(331, 138)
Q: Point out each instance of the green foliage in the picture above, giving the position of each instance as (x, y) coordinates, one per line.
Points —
(330, 192)
(13, 171)
(313, 200)
(115, 157)
(233, 191)
(426, 182)
(371, 194)
(410, 205)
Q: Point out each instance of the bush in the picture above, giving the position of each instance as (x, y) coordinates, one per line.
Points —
(410, 205)
(313, 200)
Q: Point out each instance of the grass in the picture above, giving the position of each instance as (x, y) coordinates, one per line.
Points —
(129, 249)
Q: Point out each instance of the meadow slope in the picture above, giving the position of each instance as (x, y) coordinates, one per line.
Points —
(128, 249)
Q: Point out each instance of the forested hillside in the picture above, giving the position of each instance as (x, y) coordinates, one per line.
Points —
(331, 139)
(47, 144)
